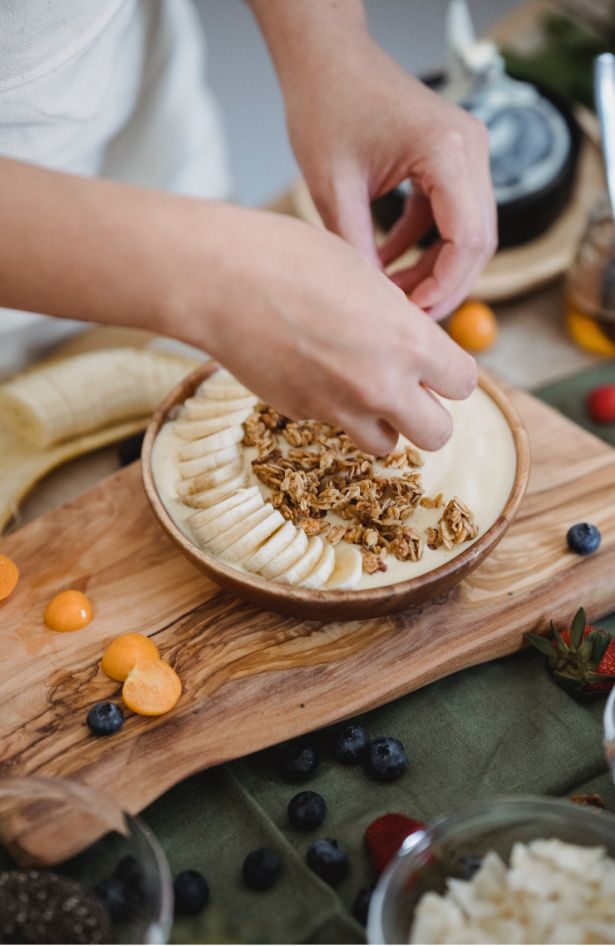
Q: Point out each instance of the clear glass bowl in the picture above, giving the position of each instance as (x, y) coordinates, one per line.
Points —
(67, 828)
(428, 857)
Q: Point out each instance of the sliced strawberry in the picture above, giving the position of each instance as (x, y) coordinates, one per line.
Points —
(385, 836)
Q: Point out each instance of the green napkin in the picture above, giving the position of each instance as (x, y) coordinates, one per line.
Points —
(503, 727)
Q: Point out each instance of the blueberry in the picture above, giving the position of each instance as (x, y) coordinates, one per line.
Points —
(191, 892)
(307, 810)
(129, 871)
(115, 897)
(386, 758)
(360, 906)
(261, 868)
(297, 761)
(327, 859)
(469, 864)
(105, 719)
(350, 744)
(584, 538)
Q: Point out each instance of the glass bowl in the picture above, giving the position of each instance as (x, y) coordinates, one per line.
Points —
(428, 857)
(64, 827)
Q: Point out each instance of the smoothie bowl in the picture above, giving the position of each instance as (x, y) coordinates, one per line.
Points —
(290, 515)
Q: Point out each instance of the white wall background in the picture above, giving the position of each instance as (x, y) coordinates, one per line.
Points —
(243, 79)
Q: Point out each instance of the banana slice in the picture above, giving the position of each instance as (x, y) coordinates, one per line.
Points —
(196, 429)
(301, 569)
(222, 386)
(207, 531)
(272, 547)
(212, 444)
(348, 567)
(223, 540)
(199, 519)
(287, 557)
(210, 479)
(248, 542)
(211, 461)
(198, 408)
(210, 497)
(321, 573)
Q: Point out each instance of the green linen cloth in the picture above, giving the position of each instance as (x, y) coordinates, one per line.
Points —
(500, 728)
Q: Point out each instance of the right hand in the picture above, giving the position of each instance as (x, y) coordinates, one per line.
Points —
(307, 324)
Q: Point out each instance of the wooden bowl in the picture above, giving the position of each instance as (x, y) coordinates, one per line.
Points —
(336, 605)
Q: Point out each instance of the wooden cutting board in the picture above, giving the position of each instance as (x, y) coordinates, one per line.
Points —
(253, 678)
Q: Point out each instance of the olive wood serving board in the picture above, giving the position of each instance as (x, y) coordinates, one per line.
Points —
(253, 678)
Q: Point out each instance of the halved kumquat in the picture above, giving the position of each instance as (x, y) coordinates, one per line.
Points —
(124, 652)
(152, 688)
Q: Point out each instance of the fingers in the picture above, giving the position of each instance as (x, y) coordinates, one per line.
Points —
(371, 434)
(445, 367)
(462, 202)
(453, 276)
(408, 279)
(424, 421)
(413, 223)
(346, 211)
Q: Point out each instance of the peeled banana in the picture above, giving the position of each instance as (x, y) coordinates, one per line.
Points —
(65, 399)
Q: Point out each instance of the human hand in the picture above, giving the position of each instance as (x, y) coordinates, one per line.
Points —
(359, 126)
(307, 324)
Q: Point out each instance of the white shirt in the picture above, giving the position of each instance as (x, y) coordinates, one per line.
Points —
(112, 88)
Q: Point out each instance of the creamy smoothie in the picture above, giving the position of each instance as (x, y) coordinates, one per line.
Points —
(477, 465)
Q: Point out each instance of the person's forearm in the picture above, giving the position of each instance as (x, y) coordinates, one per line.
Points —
(101, 251)
(303, 34)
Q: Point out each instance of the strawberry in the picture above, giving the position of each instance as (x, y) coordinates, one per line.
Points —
(601, 404)
(385, 836)
(582, 658)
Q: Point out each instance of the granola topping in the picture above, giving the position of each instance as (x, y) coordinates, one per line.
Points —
(313, 468)
(456, 525)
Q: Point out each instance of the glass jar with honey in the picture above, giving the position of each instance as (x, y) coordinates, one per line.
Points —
(590, 286)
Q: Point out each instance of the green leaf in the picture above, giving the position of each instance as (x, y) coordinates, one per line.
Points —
(586, 651)
(576, 628)
(571, 684)
(599, 677)
(541, 643)
(561, 643)
(600, 644)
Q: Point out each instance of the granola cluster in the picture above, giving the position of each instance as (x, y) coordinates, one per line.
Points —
(313, 468)
(455, 525)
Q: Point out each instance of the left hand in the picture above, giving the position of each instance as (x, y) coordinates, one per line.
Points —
(359, 126)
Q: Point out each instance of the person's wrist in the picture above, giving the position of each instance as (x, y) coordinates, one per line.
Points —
(317, 61)
(198, 239)
(213, 271)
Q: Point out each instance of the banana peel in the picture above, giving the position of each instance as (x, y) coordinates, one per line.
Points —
(24, 463)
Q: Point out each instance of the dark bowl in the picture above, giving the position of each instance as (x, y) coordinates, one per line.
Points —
(521, 220)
